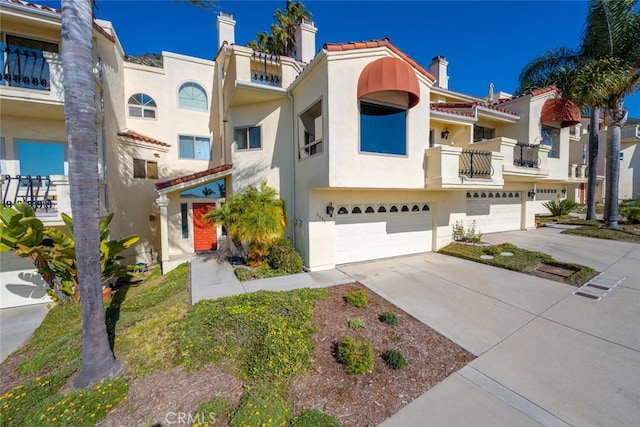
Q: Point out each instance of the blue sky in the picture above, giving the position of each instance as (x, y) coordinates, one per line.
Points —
(484, 41)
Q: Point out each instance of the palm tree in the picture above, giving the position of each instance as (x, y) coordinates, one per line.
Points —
(598, 76)
(98, 360)
(282, 40)
(613, 31)
(253, 219)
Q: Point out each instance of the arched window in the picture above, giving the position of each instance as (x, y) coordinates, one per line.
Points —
(192, 95)
(142, 105)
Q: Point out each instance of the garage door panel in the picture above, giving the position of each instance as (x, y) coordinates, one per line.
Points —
(360, 237)
(494, 214)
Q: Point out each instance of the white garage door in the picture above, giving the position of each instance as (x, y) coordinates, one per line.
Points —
(365, 232)
(494, 211)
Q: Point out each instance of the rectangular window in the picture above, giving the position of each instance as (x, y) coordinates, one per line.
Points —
(42, 158)
(248, 138)
(382, 129)
(184, 216)
(145, 169)
(194, 147)
(551, 137)
(481, 133)
(311, 126)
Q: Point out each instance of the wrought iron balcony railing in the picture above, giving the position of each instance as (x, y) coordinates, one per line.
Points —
(25, 67)
(36, 191)
(475, 164)
(526, 155)
(266, 69)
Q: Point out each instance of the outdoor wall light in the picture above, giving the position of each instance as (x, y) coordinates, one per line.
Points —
(532, 194)
(152, 217)
(330, 209)
(445, 133)
(564, 191)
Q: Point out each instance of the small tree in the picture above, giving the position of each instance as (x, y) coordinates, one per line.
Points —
(253, 220)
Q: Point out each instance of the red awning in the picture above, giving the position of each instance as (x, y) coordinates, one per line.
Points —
(386, 74)
(560, 111)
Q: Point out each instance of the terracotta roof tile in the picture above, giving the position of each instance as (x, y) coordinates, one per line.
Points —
(532, 92)
(51, 10)
(452, 106)
(436, 107)
(193, 176)
(35, 6)
(337, 47)
(139, 137)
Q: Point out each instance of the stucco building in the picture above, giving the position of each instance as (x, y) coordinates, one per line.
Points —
(374, 155)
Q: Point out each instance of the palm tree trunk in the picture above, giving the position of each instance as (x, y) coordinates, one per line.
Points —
(594, 138)
(98, 361)
(615, 117)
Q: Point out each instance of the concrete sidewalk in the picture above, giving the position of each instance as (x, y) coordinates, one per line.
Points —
(17, 325)
(545, 356)
(213, 277)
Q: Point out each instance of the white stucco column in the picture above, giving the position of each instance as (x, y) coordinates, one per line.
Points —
(163, 203)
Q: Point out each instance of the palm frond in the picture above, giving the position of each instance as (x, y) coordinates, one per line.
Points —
(553, 67)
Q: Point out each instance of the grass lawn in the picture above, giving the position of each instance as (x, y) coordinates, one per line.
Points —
(264, 358)
(522, 260)
(595, 228)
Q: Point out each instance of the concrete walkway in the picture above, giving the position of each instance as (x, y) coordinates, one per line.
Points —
(213, 277)
(17, 325)
(545, 356)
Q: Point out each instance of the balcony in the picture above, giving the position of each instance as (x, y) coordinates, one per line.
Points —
(453, 167)
(30, 75)
(578, 173)
(48, 196)
(521, 160)
(251, 77)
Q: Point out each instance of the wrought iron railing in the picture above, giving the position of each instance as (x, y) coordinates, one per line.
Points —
(35, 191)
(475, 164)
(526, 155)
(266, 69)
(25, 67)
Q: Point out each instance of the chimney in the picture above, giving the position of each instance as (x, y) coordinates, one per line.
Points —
(226, 29)
(438, 68)
(305, 41)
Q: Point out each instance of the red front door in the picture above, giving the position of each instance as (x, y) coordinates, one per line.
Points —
(581, 193)
(204, 233)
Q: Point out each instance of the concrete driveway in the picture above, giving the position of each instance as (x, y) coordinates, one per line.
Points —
(545, 356)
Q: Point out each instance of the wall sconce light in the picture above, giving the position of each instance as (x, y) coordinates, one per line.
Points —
(152, 217)
(445, 133)
(564, 191)
(532, 194)
(330, 209)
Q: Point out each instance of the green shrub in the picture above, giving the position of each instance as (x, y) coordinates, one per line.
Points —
(357, 298)
(631, 213)
(560, 207)
(470, 234)
(314, 418)
(356, 354)
(250, 273)
(394, 359)
(282, 256)
(356, 323)
(261, 408)
(389, 318)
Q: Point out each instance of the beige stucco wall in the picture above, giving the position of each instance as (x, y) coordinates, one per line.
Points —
(347, 166)
(629, 187)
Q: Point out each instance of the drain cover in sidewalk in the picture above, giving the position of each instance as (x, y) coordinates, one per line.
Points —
(558, 271)
(599, 287)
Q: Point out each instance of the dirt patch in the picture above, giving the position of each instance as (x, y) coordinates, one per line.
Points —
(163, 396)
(367, 400)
